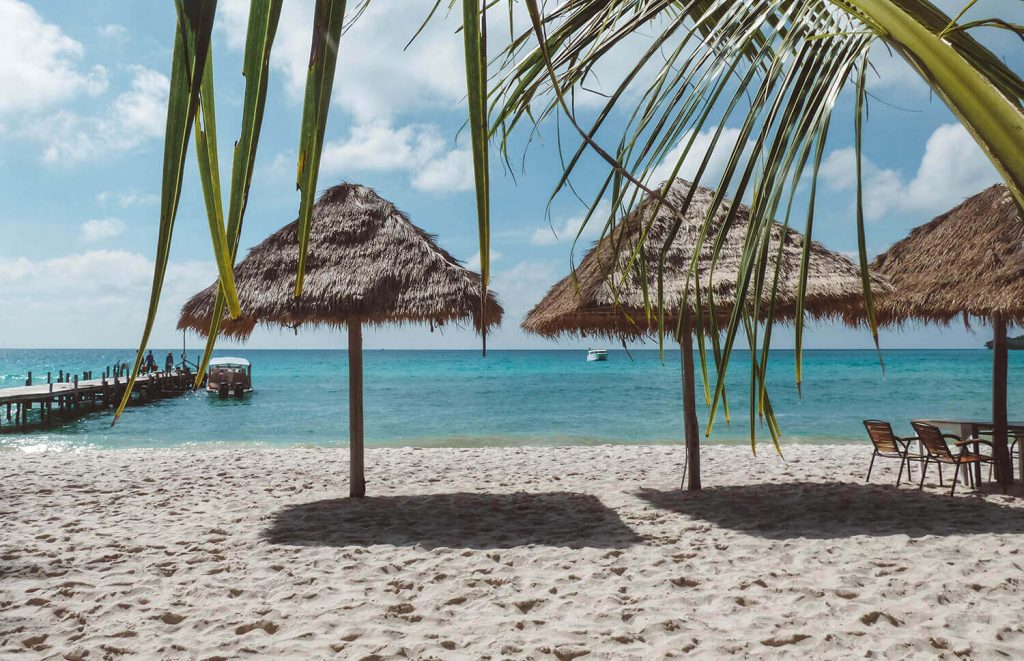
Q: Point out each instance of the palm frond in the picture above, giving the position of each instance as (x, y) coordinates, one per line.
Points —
(264, 16)
(328, 17)
(474, 33)
(772, 69)
(209, 176)
(188, 63)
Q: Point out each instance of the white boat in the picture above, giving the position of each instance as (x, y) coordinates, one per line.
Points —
(229, 376)
(594, 355)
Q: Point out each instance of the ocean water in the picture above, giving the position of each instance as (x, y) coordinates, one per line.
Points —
(458, 398)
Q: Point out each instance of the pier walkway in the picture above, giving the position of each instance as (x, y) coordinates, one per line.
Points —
(70, 397)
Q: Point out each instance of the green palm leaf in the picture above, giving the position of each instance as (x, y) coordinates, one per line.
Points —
(188, 62)
(323, 56)
(209, 176)
(264, 16)
(474, 33)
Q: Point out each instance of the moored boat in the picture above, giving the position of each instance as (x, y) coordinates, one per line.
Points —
(594, 355)
(229, 376)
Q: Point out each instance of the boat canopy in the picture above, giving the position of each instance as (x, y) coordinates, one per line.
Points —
(227, 360)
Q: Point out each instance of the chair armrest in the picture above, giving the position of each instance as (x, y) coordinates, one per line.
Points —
(905, 443)
(907, 439)
(972, 441)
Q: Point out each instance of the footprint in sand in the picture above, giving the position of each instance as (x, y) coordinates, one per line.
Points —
(266, 625)
(171, 618)
(787, 640)
(569, 652)
(527, 605)
(874, 616)
(683, 582)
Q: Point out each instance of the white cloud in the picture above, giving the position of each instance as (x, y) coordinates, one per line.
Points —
(523, 285)
(101, 228)
(282, 165)
(473, 263)
(101, 297)
(379, 147)
(448, 173)
(417, 149)
(611, 71)
(112, 30)
(114, 273)
(136, 115)
(953, 168)
(702, 143)
(125, 199)
(39, 63)
(567, 230)
(883, 188)
(891, 74)
(375, 78)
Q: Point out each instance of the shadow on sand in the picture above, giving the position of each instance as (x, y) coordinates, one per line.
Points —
(837, 510)
(454, 520)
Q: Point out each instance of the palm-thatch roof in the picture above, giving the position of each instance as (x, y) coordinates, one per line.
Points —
(595, 300)
(969, 261)
(366, 262)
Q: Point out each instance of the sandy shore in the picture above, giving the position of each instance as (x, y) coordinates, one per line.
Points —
(499, 553)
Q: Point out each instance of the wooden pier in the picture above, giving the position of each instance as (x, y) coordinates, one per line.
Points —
(67, 396)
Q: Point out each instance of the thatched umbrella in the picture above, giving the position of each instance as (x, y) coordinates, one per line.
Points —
(597, 300)
(367, 264)
(968, 262)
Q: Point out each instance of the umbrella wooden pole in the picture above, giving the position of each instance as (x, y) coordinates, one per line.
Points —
(690, 405)
(999, 432)
(357, 481)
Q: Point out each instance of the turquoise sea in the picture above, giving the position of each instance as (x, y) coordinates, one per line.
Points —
(451, 398)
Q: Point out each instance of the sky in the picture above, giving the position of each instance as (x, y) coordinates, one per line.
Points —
(82, 113)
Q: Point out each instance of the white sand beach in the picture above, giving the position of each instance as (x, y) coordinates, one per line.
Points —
(499, 553)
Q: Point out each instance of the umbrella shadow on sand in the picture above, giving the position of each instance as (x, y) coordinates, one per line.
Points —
(454, 520)
(838, 510)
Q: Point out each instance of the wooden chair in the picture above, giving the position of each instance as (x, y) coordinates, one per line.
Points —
(934, 442)
(890, 446)
(1013, 437)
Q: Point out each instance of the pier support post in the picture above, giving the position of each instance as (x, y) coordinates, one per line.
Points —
(357, 480)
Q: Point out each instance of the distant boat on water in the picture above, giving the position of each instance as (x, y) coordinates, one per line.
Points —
(229, 376)
(596, 355)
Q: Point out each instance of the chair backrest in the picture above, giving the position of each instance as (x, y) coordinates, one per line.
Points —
(881, 434)
(932, 439)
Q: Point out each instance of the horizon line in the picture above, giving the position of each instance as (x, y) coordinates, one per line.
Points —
(490, 349)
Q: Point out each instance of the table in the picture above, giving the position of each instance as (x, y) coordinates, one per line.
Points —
(971, 429)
